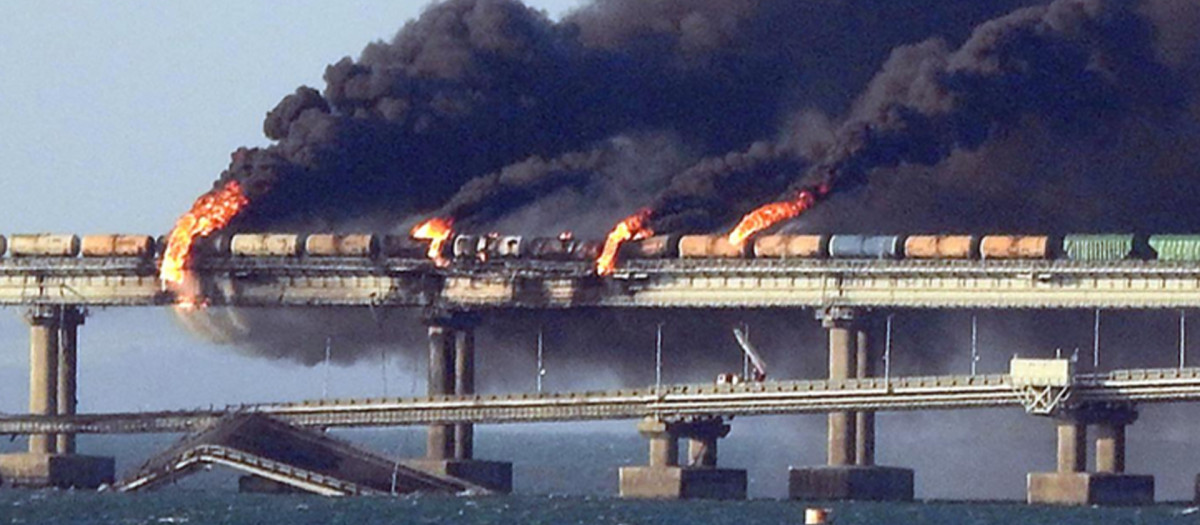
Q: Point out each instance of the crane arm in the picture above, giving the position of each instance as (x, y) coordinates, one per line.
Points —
(760, 366)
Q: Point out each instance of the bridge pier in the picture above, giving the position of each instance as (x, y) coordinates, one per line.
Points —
(51, 459)
(850, 472)
(439, 444)
(1108, 485)
(68, 357)
(665, 478)
(450, 449)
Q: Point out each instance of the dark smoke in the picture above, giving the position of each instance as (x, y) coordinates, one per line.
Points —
(1053, 118)
(1005, 115)
(931, 115)
(472, 87)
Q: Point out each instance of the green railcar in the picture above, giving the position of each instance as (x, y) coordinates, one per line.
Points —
(1106, 247)
(1176, 247)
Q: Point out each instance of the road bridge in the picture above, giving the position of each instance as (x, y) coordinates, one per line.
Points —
(271, 282)
(847, 296)
(1122, 387)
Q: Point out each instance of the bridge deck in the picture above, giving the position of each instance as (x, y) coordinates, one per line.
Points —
(773, 397)
(269, 282)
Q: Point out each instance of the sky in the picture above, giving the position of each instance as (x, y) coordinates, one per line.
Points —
(116, 116)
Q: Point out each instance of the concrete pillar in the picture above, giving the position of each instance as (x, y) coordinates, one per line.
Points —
(1072, 446)
(665, 478)
(864, 424)
(1109, 485)
(464, 384)
(71, 319)
(43, 371)
(440, 442)
(664, 442)
(842, 352)
(1110, 448)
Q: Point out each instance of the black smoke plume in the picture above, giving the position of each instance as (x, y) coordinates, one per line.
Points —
(475, 86)
(1073, 115)
(1007, 115)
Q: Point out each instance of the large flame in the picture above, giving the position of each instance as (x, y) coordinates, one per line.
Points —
(437, 231)
(211, 212)
(632, 228)
(771, 214)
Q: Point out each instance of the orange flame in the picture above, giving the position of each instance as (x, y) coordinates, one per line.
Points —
(632, 228)
(211, 212)
(437, 231)
(771, 214)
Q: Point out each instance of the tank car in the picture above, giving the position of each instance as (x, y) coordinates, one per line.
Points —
(495, 246)
(266, 245)
(342, 245)
(212, 246)
(509, 246)
(584, 250)
(404, 247)
(656, 247)
(1016, 247)
(941, 247)
(117, 246)
(710, 247)
(783, 246)
(866, 247)
(468, 246)
(44, 245)
(549, 248)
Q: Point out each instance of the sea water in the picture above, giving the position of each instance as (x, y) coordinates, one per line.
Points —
(560, 477)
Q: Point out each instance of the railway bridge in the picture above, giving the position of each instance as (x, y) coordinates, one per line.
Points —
(844, 294)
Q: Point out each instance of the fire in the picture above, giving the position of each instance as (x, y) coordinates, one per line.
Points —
(771, 214)
(437, 231)
(211, 212)
(632, 228)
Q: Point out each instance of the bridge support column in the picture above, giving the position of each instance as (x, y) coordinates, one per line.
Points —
(1108, 485)
(464, 385)
(450, 448)
(700, 478)
(440, 442)
(864, 422)
(51, 460)
(43, 371)
(68, 338)
(850, 473)
(1110, 448)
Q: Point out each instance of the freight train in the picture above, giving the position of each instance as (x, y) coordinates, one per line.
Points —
(463, 248)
